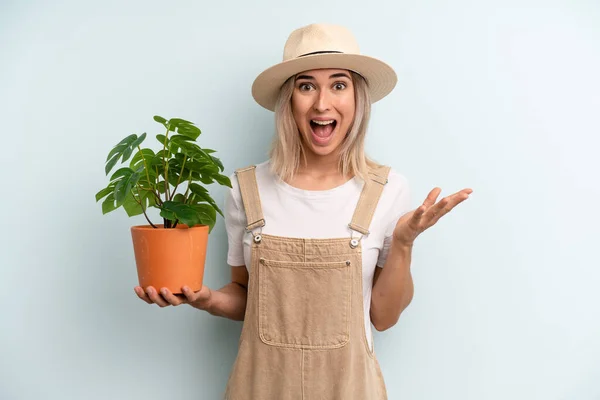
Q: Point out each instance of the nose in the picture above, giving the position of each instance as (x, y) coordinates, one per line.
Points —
(322, 102)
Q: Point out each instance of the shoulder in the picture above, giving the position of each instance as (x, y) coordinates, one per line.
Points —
(397, 183)
(262, 171)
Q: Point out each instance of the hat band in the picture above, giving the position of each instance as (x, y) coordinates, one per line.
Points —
(320, 52)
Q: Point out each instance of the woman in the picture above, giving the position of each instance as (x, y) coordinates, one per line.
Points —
(308, 228)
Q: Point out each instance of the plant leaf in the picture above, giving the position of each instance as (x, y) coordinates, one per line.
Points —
(108, 204)
(217, 162)
(160, 119)
(222, 180)
(202, 194)
(190, 131)
(111, 163)
(123, 150)
(104, 192)
(125, 184)
(207, 214)
(183, 212)
(119, 147)
(121, 172)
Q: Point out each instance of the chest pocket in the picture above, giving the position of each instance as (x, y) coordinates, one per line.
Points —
(304, 304)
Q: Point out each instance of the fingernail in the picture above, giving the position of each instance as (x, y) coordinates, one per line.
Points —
(164, 291)
(185, 288)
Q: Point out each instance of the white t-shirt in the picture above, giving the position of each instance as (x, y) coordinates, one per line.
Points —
(297, 213)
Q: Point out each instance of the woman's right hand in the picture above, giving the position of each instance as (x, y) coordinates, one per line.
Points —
(200, 299)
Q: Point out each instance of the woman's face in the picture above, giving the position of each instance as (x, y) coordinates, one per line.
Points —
(323, 107)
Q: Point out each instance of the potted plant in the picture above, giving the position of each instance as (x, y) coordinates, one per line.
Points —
(171, 254)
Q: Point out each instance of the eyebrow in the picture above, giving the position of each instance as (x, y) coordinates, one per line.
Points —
(311, 78)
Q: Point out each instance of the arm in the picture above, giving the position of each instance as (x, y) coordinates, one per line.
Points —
(392, 287)
(230, 300)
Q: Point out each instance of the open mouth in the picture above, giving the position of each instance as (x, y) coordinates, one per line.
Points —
(322, 131)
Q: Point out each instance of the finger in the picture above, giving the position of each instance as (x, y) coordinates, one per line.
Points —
(199, 299)
(141, 294)
(447, 204)
(170, 297)
(417, 216)
(425, 211)
(432, 197)
(155, 297)
(192, 296)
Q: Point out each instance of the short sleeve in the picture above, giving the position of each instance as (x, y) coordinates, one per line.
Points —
(235, 223)
(401, 206)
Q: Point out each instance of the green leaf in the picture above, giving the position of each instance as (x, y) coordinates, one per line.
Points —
(161, 138)
(123, 150)
(141, 156)
(107, 190)
(207, 214)
(125, 184)
(121, 172)
(108, 204)
(131, 205)
(175, 123)
(136, 143)
(222, 180)
(111, 163)
(179, 198)
(157, 161)
(206, 179)
(217, 162)
(201, 194)
(119, 147)
(183, 212)
(160, 119)
(161, 187)
(195, 188)
(190, 131)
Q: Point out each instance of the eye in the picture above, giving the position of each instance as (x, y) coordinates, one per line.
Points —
(339, 86)
(304, 87)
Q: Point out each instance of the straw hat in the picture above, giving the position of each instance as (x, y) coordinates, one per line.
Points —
(322, 46)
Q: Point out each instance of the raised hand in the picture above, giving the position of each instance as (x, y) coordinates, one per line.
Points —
(412, 224)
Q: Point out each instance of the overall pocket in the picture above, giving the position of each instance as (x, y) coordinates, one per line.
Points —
(304, 304)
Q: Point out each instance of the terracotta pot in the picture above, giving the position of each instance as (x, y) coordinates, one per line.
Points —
(170, 258)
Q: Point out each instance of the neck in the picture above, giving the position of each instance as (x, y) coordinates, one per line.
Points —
(319, 173)
(320, 166)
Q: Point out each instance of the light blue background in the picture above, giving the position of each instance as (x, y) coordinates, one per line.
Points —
(499, 96)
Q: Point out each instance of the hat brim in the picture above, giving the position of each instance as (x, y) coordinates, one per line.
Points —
(381, 78)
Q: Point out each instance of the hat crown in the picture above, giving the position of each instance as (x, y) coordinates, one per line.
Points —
(319, 38)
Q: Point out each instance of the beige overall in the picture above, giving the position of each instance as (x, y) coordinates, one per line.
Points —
(304, 335)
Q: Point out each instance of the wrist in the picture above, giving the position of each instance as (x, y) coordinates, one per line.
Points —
(205, 304)
(402, 245)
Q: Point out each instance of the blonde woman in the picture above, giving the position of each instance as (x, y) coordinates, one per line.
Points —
(320, 236)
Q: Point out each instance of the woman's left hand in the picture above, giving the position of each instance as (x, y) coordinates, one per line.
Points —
(412, 224)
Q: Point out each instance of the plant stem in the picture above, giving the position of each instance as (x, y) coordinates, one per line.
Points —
(160, 202)
(140, 203)
(189, 183)
(179, 179)
(148, 177)
(166, 165)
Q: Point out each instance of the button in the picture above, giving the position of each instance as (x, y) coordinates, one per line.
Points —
(257, 239)
(354, 243)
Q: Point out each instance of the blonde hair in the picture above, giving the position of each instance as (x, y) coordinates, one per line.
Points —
(287, 150)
